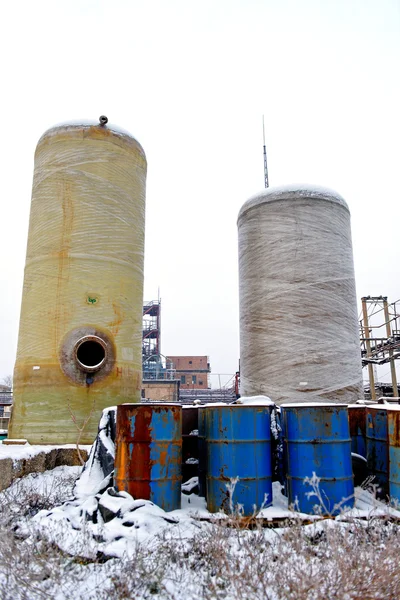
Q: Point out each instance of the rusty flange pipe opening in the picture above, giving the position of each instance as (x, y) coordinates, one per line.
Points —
(90, 353)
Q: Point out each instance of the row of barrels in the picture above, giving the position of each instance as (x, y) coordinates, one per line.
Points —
(315, 460)
(375, 434)
(235, 465)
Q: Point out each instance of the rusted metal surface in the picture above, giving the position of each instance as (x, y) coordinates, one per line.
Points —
(378, 447)
(238, 447)
(358, 428)
(317, 440)
(149, 452)
(393, 416)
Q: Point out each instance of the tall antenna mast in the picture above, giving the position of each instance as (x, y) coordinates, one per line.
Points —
(266, 182)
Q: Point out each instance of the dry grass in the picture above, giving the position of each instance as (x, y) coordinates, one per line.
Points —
(328, 560)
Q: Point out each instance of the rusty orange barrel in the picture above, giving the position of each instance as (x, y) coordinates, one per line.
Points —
(148, 452)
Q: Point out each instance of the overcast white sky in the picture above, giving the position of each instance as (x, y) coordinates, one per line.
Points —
(191, 80)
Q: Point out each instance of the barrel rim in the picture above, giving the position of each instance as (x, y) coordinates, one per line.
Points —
(239, 406)
(313, 405)
(149, 404)
(293, 192)
(384, 407)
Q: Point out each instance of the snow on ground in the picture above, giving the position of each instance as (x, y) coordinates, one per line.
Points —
(24, 451)
(109, 540)
(56, 485)
(113, 523)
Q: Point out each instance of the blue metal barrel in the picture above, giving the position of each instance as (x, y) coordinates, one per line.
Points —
(238, 441)
(393, 416)
(358, 425)
(378, 447)
(202, 445)
(317, 440)
(148, 453)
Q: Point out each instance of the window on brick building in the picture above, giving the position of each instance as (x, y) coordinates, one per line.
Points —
(200, 383)
(183, 378)
(194, 379)
(190, 362)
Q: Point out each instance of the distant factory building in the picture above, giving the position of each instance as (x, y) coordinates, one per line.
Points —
(192, 371)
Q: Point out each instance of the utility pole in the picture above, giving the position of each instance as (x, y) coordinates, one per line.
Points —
(266, 182)
(368, 348)
(389, 334)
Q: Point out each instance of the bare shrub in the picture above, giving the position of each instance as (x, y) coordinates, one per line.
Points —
(334, 560)
(37, 491)
(80, 427)
(357, 560)
(350, 559)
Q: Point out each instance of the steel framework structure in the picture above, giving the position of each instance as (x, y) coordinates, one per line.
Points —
(380, 337)
(151, 344)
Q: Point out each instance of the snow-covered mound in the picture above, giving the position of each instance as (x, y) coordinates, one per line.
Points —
(97, 474)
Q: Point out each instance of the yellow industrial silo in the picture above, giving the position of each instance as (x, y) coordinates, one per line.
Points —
(79, 345)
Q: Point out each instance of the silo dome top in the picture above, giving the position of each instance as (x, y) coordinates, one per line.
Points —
(293, 192)
(99, 125)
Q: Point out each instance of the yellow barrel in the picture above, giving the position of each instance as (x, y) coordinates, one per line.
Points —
(79, 345)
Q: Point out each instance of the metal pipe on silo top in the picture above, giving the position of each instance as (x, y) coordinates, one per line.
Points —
(378, 447)
(317, 440)
(148, 452)
(358, 426)
(80, 331)
(299, 338)
(393, 416)
(238, 439)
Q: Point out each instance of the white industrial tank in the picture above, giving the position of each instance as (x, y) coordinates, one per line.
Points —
(298, 309)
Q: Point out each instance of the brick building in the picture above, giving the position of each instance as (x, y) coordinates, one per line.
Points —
(192, 371)
(159, 390)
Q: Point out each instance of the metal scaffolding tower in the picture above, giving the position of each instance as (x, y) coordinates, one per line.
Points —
(151, 342)
(380, 337)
